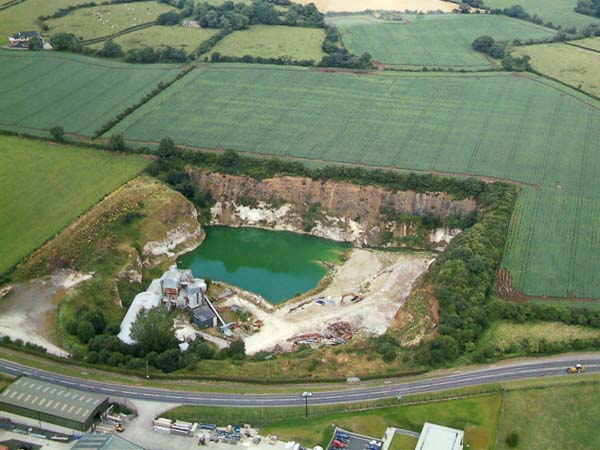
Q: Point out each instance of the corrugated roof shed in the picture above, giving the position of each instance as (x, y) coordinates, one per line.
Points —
(104, 442)
(38, 399)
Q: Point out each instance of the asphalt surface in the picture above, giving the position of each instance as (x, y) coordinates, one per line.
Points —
(518, 370)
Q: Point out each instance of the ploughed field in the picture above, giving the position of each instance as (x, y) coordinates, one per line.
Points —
(43, 90)
(432, 40)
(47, 186)
(505, 126)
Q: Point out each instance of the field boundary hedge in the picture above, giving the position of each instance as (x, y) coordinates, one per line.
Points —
(145, 99)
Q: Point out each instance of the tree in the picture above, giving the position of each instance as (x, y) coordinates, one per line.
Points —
(483, 44)
(35, 43)
(237, 349)
(111, 50)
(229, 159)
(117, 143)
(168, 18)
(58, 133)
(153, 330)
(65, 41)
(85, 331)
(166, 149)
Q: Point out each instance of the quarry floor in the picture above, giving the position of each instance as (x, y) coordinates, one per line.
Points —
(383, 279)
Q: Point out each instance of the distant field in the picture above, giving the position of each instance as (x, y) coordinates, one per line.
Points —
(271, 41)
(42, 90)
(591, 43)
(46, 186)
(559, 12)
(496, 125)
(431, 40)
(100, 21)
(22, 17)
(185, 38)
(572, 65)
(554, 418)
(387, 5)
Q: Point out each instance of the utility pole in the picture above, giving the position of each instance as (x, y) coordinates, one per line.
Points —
(269, 358)
(147, 371)
(306, 396)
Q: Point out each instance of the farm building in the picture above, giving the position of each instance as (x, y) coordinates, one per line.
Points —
(22, 38)
(437, 437)
(51, 403)
(104, 442)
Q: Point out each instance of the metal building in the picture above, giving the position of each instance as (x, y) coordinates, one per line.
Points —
(437, 437)
(51, 403)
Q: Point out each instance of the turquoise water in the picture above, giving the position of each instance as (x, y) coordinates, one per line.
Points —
(275, 264)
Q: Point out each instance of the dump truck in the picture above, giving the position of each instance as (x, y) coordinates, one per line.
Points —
(577, 368)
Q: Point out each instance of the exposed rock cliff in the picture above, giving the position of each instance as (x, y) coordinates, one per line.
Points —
(332, 209)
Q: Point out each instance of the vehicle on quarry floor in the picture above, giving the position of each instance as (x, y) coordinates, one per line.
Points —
(577, 368)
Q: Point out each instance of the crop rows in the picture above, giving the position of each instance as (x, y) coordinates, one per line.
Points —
(501, 126)
(431, 40)
(40, 91)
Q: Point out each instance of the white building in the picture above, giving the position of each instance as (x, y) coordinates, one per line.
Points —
(437, 437)
(176, 288)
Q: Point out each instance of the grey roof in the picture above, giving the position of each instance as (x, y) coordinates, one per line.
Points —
(52, 399)
(104, 442)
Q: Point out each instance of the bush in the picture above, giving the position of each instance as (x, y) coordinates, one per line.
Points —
(512, 440)
(85, 331)
(58, 133)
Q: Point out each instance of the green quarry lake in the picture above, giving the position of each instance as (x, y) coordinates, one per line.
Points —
(275, 264)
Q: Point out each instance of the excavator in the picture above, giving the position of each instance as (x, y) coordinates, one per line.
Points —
(577, 368)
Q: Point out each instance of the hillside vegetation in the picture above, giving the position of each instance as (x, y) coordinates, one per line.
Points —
(46, 186)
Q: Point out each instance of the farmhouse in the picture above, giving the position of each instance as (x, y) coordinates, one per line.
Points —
(437, 437)
(51, 403)
(21, 39)
(176, 289)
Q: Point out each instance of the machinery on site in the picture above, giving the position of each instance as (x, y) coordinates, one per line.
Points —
(577, 368)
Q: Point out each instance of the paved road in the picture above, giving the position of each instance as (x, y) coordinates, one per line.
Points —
(492, 374)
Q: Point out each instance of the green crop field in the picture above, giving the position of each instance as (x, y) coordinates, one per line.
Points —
(22, 17)
(158, 37)
(559, 12)
(272, 41)
(505, 126)
(572, 65)
(431, 40)
(46, 186)
(99, 21)
(45, 89)
(554, 418)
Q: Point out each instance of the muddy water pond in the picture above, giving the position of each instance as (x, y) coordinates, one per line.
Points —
(275, 264)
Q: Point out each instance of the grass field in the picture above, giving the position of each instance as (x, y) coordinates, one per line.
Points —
(591, 43)
(42, 90)
(272, 41)
(559, 12)
(554, 418)
(99, 21)
(572, 65)
(22, 17)
(157, 36)
(520, 128)
(502, 334)
(478, 416)
(401, 442)
(47, 186)
(431, 40)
